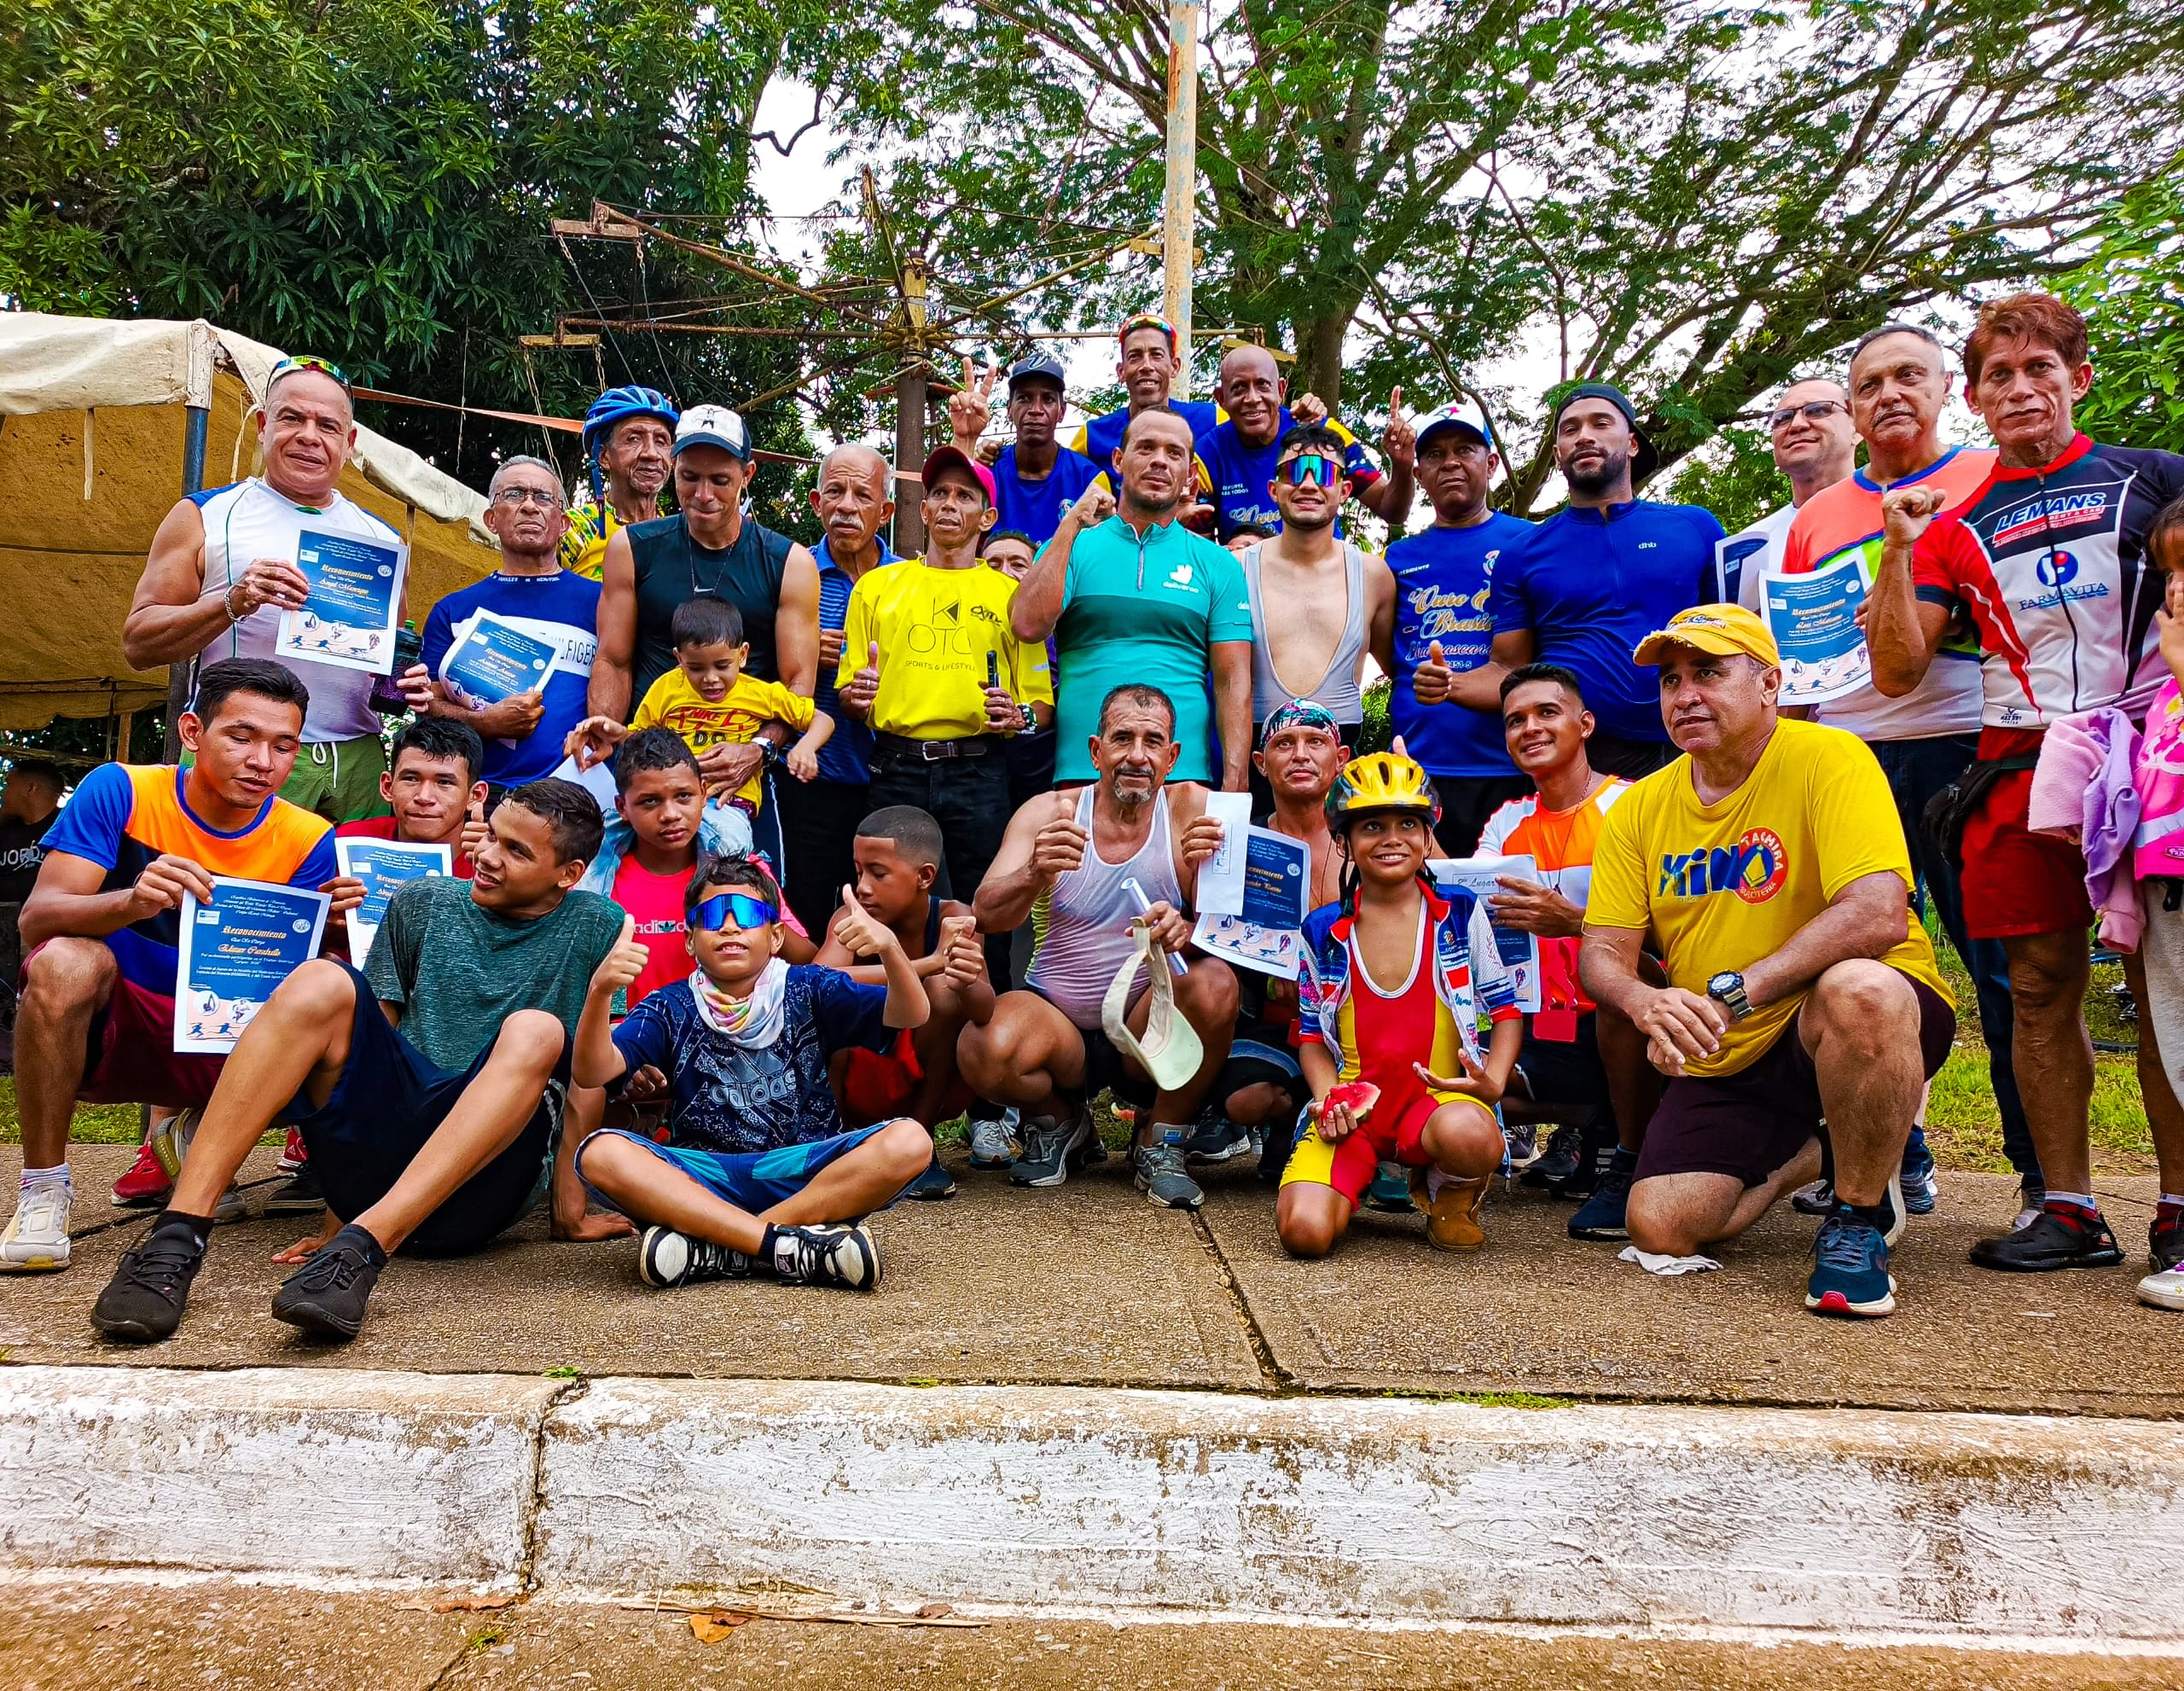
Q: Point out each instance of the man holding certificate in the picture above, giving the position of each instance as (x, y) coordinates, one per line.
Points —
(103, 928)
(236, 572)
(511, 656)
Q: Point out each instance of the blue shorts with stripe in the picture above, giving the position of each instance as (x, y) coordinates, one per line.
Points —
(752, 1181)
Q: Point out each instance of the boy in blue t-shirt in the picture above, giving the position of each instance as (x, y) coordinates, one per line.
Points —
(759, 1175)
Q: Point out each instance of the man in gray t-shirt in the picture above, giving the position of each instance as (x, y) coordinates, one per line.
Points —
(429, 1097)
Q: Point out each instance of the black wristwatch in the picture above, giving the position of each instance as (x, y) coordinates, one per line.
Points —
(774, 755)
(1727, 990)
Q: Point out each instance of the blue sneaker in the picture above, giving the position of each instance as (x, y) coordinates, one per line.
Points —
(1920, 1189)
(1600, 1216)
(936, 1185)
(1849, 1274)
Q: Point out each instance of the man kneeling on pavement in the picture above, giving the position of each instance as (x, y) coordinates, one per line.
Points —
(1767, 868)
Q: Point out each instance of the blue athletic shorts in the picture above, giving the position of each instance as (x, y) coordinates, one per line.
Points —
(390, 1100)
(753, 1181)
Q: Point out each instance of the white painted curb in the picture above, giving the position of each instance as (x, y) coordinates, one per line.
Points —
(311, 1472)
(1838, 1521)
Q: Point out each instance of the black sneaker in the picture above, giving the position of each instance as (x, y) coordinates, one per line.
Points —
(2053, 1239)
(666, 1258)
(301, 1194)
(847, 1256)
(2165, 1243)
(327, 1295)
(1816, 1199)
(1558, 1161)
(934, 1186)
(143, 1303)
(1596, 1155)
(1601, 1214)
(1215, 1139)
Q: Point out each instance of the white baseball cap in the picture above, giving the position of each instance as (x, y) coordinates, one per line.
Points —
(713, 425)
(1169, 1050)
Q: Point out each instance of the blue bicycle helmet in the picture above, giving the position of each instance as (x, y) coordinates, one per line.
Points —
(618, 404)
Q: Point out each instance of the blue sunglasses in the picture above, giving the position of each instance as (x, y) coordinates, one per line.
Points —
(1310, 467)
(733, 909)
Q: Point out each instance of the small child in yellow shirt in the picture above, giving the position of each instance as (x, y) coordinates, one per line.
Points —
(708, 700)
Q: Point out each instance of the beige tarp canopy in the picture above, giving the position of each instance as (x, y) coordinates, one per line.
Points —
(92, 418)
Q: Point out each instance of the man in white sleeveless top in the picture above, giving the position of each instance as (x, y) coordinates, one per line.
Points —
(1319, 603)
(1065, 863)
(222, 568)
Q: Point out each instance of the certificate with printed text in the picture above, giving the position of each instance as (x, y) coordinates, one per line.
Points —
(1814, 619)
(385, 866)
(348, 618)
(251, 937)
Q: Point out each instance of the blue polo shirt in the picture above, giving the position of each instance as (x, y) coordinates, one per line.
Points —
(1591, 584)
(847, 756)
(1235, 475)
(1148, 611)
(1036, 507)
(1443, 578)
(1101, 438)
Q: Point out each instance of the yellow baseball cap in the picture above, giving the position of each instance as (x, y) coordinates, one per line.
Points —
(1722, 630)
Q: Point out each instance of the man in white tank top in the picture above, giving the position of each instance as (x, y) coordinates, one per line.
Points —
(222, 568)
(1064, 863)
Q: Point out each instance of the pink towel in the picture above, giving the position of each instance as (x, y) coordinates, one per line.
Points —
(2071, 758)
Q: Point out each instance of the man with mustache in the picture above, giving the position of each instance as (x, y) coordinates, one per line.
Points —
(1237, 459)
(1140, 598)
(2049, 556)
(854, 501)
(1899, 384)
(1586, 585)
(1079, 859)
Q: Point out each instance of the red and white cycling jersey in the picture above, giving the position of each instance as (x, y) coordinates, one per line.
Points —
(2048, 562)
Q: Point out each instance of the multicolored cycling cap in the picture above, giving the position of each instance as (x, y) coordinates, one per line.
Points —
(1298, 714)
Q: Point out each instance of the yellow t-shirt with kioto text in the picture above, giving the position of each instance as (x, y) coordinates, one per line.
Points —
(747, 707)
(935, 629)
(1718, 886)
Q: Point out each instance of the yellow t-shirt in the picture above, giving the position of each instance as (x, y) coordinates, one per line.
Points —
(934, 628)
(748, 706)
(1721, 886)
(583, 543)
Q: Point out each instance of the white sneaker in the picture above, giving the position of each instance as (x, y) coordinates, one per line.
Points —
(37, 1238)
(2164, 1290)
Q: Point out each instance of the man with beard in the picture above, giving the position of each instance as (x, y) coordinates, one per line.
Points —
(1238, 459)
(1592, 580)
(1140, 598)
(1318, 602)
(1899, 384)
(630, 434)
(1034, 479)
(1077, 862)
(854, 502)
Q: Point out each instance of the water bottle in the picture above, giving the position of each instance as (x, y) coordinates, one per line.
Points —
(387, 697)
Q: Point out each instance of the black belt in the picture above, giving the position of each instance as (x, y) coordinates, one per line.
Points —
(931, 751)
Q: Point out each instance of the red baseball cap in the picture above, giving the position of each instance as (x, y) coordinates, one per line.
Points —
(943, 457)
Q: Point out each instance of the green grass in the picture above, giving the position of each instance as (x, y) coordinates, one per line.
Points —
(1964, 1128)
(95, 1123)
(1489, 1400)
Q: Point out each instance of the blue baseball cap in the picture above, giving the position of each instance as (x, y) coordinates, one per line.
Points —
(1040, 365)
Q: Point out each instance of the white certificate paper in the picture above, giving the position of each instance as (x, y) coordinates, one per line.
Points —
(1520, 950)
(1814, 617)
(385, 866)
(235, 952)
(349, 617)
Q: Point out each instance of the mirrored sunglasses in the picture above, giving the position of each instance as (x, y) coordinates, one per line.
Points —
(733, 909)
(1310, 467)
(323, 366)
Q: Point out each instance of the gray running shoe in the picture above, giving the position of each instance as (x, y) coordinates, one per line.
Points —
(1523, 1146)
(1160, 1174)
(994, 1144)
(1049, 1147)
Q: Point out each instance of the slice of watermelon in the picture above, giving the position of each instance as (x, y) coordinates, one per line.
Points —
(1359, 1096)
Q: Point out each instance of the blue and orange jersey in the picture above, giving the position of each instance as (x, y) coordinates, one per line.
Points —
(125, 814)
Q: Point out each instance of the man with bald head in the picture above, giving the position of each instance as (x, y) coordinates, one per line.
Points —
(1815, 446)
(1899, 383)
(1236, 459)
(854, 500)
(222, 567)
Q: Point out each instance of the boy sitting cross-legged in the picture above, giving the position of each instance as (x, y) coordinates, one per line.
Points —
(759, 1175)
(897, 853)
(1394, 978)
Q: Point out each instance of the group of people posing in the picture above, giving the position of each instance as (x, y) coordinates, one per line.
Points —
(897, 841)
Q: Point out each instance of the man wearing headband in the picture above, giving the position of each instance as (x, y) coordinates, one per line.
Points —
(1318, 603)
(1803, 1015)
(222, 568)
(1589, 582)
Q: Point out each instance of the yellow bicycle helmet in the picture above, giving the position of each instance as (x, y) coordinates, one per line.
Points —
(1381, 781)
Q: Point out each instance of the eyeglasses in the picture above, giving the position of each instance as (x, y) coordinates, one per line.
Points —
(323, 366)
(1310, 467)
(736, 910)
(549, 498)
(1811, 412)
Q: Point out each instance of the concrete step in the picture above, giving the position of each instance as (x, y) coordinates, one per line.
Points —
(1666, 1520)
(88, 1636)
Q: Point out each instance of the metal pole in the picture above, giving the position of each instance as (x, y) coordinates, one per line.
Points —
(1176, 226)
(196, 427)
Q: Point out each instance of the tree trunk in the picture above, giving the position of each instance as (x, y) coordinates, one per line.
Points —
(1319, 357)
